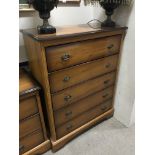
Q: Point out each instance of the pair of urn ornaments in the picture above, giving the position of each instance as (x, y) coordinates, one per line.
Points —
(45, 6)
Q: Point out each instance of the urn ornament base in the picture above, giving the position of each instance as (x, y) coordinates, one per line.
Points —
(108, 23)
(46, 29)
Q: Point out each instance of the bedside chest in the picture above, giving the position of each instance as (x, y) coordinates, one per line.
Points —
(32, 131)
(77, 68)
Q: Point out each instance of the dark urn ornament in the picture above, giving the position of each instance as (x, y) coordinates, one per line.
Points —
(109, 6)
(44, 7)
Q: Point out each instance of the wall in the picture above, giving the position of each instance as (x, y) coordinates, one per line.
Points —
(125, 94)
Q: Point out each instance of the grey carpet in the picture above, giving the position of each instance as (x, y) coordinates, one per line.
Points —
(107, 138)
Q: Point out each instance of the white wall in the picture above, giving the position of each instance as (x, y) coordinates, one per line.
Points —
(125, 94)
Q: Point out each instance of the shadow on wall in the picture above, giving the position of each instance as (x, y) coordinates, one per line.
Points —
(122, 14)
(125, 92)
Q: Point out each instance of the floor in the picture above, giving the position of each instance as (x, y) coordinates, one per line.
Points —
(108, 138)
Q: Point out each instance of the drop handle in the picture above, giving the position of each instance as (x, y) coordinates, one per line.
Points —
(104, 96)
(67, 98)
(69, 126)
(106, 81)
(68, 113)
(66, 79)
(21, 147)
(65, 57)
(110, 46)
(107, 65)
(104, 108)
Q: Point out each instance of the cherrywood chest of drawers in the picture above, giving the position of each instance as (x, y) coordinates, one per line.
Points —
(77, 68)
(32, 132)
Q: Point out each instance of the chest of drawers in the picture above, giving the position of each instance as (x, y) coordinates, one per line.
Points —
(32, 131)
(77, 68)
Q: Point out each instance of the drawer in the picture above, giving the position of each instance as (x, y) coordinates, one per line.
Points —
(84, 118)
(29, 125)
(68, 77)
(72, 54)
(27, 107)
(30, 141)
(65, 114)
(73, 94)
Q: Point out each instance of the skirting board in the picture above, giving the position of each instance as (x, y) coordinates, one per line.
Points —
(40, 149)
(56, 145)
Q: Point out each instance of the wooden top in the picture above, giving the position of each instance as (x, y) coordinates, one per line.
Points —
(26, 83)
(69, 31)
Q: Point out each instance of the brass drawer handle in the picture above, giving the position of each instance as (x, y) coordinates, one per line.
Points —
(65, 57)
(106, 81)
(104, 96)
(107, 65)
(21, 147)
(110, 46)
(67, 98)
(66, 79)
(69, 126)
(104, 108)
(68, 113)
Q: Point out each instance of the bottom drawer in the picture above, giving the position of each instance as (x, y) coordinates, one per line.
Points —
(30, 141)
(84, 118)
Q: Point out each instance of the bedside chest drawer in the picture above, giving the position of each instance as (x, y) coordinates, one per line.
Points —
(68, 77)
(27, 107)
(29, 125)
(83, 118)
(73, 94)
(63, 56)
(30, 141)
(63, 115)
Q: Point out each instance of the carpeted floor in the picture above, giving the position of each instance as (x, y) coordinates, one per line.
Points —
(108, 138)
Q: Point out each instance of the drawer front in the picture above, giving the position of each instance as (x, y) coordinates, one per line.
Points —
(75, 53)
(73, 94)
(31, 141)
(27, 107)
(84, 118)
(68, 77)
(29, 125)
(70, 112)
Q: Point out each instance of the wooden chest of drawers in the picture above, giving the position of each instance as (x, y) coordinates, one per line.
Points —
(77, 68)
(32, 131)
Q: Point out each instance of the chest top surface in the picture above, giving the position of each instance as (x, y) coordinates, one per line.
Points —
(69, 31)
(26, 83)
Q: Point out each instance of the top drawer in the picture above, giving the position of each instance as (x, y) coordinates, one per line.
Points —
(71, 54)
